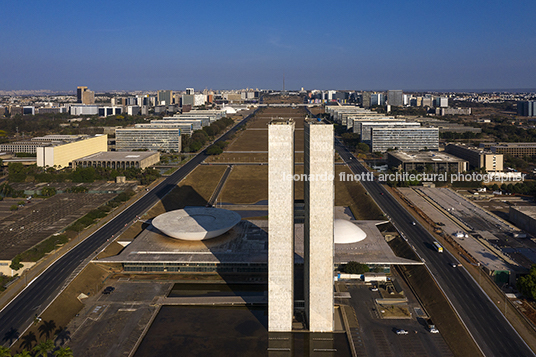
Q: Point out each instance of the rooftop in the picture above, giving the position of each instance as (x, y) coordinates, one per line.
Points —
(247, 242)
(420, 156)
(119, 155)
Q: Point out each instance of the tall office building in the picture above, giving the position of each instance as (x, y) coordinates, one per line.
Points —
(319, 194)
(377, 99)
(395, 98)
(526, 108)
(165, 97)
(84, 95)
(365, 99)
(280, 225)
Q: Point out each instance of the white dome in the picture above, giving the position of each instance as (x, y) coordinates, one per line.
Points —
(196, 223)
(346, 232)
(229, 110)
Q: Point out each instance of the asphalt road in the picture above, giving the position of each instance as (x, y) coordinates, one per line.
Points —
(490, 329)
(19, 314)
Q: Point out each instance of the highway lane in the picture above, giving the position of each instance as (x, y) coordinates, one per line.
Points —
(19, 314)
(490, 329)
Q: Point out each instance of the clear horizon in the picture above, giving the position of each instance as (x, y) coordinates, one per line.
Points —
(391, 45)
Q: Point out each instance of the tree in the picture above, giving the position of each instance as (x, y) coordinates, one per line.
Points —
(5, 352)
(527, 284)
(23, 354)
(63, 352)
(11, 335)
(48, 191)
(62, 335)
(15, 263)
(214, 150)
(47, 328)
(356, 268)
(44, 348)
(28, 340)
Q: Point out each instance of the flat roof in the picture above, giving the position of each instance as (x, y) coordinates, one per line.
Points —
(528, 210)
(247, 242)
(118, 156)
(514, 145)
(420, 156)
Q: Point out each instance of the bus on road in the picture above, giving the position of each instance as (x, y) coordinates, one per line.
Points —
(438, 247)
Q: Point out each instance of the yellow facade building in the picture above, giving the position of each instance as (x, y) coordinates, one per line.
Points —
(61, 155)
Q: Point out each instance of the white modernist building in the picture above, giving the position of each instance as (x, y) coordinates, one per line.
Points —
(319, 194)
(318, 242)
(280, 225)
(196, 223)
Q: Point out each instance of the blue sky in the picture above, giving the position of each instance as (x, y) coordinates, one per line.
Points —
(142, 45)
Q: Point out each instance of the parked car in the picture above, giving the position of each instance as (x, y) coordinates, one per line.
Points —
(108, 290)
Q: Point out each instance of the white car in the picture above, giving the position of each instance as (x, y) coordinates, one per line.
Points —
(434, 330)
(401, 332)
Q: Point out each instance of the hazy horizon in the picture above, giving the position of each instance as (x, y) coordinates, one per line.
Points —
(392, 45)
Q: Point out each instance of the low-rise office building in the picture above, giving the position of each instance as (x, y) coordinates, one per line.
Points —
(514, 149)
(477, 157)
(429, 161)
(524, 217)
(28, 147)
(119, 159)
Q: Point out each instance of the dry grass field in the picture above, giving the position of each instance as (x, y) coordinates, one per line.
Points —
(194, 190)
(246, 185)
(352, 194)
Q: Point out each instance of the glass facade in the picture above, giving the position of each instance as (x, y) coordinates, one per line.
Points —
(150, 139)
(409, 139)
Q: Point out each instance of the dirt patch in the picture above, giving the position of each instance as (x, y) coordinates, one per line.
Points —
(394, 311)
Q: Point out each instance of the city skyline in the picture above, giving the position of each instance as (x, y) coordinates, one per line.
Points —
(131, 46)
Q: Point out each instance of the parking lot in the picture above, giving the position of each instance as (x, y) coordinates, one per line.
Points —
(26, 227)
(376, 335)
(111, 324)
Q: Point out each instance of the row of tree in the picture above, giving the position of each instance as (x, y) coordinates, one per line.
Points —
(200, 137)
(55, 339)
(17, 172)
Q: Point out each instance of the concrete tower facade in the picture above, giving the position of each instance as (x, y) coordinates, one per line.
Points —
(319, 194)
(280, 225)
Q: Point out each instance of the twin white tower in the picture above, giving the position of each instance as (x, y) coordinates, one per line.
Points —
(319, 197)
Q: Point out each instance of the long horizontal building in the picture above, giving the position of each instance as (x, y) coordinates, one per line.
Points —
(28, 147)
(411, 139)
(152, 139)
(514, 149)
(61, 154)
(185, 128)
(119, 159)
(367, 126)
(197, 123)
(437, 162)
(477, 157)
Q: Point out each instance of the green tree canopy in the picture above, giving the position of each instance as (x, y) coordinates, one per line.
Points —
(527, 284)
(356, 268)
(15, 263)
